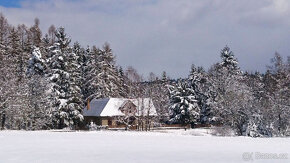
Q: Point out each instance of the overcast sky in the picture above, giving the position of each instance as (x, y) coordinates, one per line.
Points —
(170, 35)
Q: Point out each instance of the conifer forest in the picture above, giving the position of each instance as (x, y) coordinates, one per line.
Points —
(47, 80)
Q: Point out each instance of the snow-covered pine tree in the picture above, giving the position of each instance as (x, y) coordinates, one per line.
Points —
(36, 65)
(90, 73)
(62, 39)
(256, 126)
(82, 60)
(59, 79)
(123, 90)
(39, 103)
(199, 82)
(55, 74)
(102, 79)
(183, 104)
(233, 96)
(164, 76)
(228, 59)
(109, 79)
(86, 73)
(253, 127)
(65, 77)
(74, 104)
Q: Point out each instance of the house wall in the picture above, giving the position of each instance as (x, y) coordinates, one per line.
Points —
(104, 121)
(111, 122)
(96, 120)
(100, 121)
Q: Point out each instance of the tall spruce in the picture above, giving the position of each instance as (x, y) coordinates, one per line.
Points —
(39, 103)
(183, 104)
(110, 83)
(59, 79)
(74, 104)
(199, 82)
(103, 78)
(233, 96)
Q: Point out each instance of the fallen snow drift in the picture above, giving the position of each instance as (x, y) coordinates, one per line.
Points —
(117, 146)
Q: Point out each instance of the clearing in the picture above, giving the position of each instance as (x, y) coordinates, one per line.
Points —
(130, 146)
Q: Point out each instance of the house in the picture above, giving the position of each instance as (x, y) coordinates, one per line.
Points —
(120, 112)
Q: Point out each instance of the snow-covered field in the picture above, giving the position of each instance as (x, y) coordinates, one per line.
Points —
(117, 146)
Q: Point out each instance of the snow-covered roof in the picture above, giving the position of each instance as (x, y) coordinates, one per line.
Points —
(110, 107)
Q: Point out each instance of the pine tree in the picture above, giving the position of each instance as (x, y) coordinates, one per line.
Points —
(199, 82)
(164, 76)
(123, 88)
(109, 79)
(36, 65)
(82, 61)
(183, 104)
(228, 59)
(59, 79)
(233, 96)
(103, 78)
(39, 104)
(74, 104)
(86, 75)
(256, 127)
(91, 70)
(66, 81)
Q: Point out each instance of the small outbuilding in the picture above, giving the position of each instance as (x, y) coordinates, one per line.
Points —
(120, 112)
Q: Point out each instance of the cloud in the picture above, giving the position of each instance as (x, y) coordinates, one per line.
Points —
(170, 35)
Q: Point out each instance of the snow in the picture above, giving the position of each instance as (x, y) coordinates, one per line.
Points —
(37, 54)
(112, 107)
(54, 76)
(117, 146)
(63, 103)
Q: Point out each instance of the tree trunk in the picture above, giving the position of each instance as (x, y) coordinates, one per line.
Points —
(3, 120)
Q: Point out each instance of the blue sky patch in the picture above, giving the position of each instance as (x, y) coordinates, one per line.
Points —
(10, 3)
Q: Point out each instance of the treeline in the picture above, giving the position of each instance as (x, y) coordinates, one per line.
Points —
(251, 104)
(46, 81)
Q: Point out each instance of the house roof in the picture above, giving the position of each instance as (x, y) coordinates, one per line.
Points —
(110, 107)
(96, 107)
